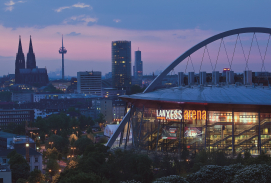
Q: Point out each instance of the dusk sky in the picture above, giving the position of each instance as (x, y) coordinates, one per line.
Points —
(162, 29)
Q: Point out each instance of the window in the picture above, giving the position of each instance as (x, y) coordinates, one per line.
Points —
(37, 167)
(4, 160)
(36, 159)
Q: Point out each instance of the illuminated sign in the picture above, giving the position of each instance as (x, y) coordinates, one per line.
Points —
(177, 114)
(169, 114)
(169, 132)
(193, 114)
(194, 132)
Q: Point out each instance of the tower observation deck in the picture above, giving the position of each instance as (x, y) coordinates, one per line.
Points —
(62, 50)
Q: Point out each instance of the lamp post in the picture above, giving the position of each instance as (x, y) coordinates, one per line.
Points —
(50, 172)
(72, 148)
(51, 144)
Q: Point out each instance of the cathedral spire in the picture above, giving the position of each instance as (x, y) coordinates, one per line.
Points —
(20, 49)
(31, 59)
(30, 46)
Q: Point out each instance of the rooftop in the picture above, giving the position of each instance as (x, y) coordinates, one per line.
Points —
(228, 94)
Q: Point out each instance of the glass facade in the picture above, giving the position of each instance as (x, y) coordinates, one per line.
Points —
(121, 65)
(170, 130)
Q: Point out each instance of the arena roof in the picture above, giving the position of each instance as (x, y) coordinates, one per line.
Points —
(228, 94)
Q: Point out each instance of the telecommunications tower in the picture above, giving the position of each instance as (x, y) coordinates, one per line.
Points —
(62, 50)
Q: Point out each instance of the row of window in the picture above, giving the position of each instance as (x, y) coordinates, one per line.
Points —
(14, 112)
(15, 116)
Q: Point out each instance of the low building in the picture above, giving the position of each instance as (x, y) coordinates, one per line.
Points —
(106, 110)
(15, 116)
(22, 97)
(5, 174)
(112, 92)
(13, 141)
(89, 82)
(35, 158)
(118, 108)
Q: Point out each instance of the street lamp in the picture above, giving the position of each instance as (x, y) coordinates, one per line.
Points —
(51, 174)
(27, 145)
(51, 144)
(72, 148)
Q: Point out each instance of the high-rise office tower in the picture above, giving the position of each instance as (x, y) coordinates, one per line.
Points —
(89, 82)
(138, 66)
(121, 65)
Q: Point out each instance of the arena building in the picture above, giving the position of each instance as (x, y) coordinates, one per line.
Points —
(228, 117)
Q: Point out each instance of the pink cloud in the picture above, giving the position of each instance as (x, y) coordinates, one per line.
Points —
(91, 47)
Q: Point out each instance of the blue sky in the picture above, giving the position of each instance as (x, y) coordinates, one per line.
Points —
(163, 29)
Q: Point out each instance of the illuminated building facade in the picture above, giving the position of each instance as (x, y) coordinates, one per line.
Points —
(228, 118)
(121, 65)
(89, 82)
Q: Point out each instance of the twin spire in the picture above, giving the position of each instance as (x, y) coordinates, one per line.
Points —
(20, 49)
(31, 59)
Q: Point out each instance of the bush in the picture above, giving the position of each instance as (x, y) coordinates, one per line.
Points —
(130, 181)
(254, 174)
(171, 179)
(215, 174)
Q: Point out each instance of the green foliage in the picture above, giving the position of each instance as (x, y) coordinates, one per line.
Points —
(5, 96)
(60, 143)
(215, 174)
(171, 179)
(103, 140)
(21, 180)
(18, 165)
(81, 144)
(51, 153)
(100, 118)
(136, 89)
(89, 130)
(36, 176)
(72, 176)
(209, 158)
(84, 122)
(253, 174)
(52, 89)
(112, 166)
(53, 166)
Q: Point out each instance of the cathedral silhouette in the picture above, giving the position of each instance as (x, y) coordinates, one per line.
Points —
(30, 74)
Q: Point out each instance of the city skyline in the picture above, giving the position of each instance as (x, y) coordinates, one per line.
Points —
(161, 36)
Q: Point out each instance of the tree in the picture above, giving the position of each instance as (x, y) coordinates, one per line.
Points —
(89, 130)
(18, 165)
(52, 89)
(136, 89)
(5, 96)
(20, 180)
(60, 143)
(100, 118)
(81, 144)
(84, 122)
(51, 153)
(52, 166)
(36, 176)
(76, 176)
